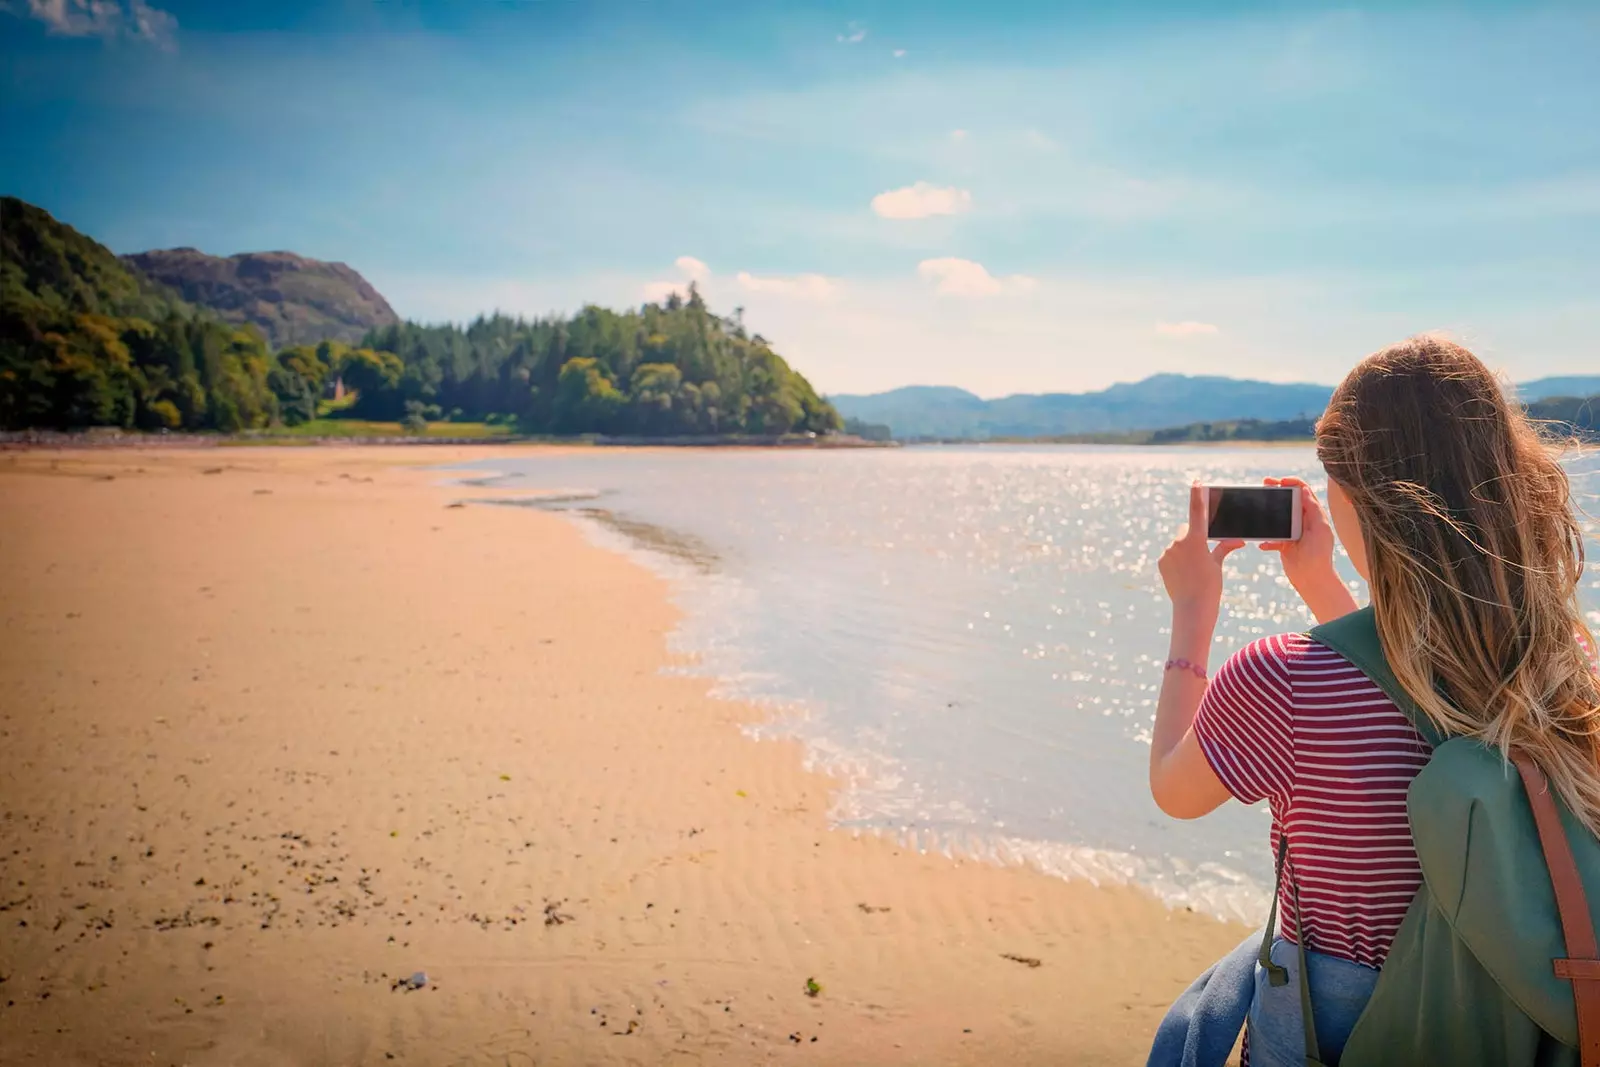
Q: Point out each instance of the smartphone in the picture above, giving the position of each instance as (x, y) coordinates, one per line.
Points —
(1252, 512)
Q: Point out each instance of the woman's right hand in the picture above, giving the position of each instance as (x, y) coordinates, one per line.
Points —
(1308, 562)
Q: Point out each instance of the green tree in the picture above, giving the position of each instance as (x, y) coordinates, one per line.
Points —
(86, 341)
(656, 403)
(375, 376)
(586, 399)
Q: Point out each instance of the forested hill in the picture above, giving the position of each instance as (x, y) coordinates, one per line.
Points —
(86, 340)
(50, 268)
(672, 368)
(1561, 419)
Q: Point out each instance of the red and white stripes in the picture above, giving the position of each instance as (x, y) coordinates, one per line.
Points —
(1294, 723)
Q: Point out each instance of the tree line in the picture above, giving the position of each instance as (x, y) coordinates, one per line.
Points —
(85, 342)
(1558, 418)
(661, 370)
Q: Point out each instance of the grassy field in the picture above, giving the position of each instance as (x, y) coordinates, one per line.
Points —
(363, 428)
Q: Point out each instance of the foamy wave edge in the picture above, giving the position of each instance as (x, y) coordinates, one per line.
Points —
(1208, 888)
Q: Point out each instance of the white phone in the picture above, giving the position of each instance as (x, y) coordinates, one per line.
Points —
(1252, 512)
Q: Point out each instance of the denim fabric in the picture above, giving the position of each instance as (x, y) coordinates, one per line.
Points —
(1200, 1028)
(1339, 992)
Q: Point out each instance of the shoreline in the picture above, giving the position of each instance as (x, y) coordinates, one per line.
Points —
(291, 727)
(132, 440)
(685, 562)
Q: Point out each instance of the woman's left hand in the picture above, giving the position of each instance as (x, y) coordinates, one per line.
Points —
(1308, 562)
(1190, 568)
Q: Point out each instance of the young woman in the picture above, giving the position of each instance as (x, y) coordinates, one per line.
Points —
(1460, 520)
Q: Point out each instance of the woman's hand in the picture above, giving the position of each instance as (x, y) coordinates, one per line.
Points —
(1308, 562)
(1190, 568)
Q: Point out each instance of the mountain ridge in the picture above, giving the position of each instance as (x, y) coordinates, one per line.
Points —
(292, 299)
(1157, 402)
(91, 339)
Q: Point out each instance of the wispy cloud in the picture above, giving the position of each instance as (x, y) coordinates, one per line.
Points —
(106, 19)
(899, 53)
(796, 286)
(152, 24)
(694, 269)
(958, 136)
(964, 277)
(1187, 328)
(694, 272)
(1071, 333)
(854, 34)
(922, 200)
(804, 286)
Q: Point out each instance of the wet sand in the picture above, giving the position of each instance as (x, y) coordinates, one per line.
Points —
(281, 728)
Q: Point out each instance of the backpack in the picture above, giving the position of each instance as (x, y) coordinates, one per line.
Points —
(1495, 962)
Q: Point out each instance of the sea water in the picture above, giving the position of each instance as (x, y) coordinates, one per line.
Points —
(970, 638)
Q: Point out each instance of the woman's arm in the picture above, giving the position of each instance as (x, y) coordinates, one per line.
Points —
(1181, 781)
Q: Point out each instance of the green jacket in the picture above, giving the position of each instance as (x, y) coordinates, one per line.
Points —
(1469, 979)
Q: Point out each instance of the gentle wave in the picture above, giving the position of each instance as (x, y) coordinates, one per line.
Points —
(968, 639)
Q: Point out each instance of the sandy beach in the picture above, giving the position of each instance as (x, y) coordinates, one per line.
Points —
(282, 728)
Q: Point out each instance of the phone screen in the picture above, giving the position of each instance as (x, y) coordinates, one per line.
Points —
(1250, 512)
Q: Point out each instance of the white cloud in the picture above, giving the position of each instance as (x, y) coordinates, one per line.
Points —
(78, 18)
(796, 286)
(1187, 328)
(152, 24)
(804, 286)
(899, 53)
(958, 135)
(922, 200)
(855, 35)
(694, 269)
(1095, 328)
(964, 277)
(106, 19)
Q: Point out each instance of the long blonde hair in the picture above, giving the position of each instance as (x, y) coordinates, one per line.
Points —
(1475, 556)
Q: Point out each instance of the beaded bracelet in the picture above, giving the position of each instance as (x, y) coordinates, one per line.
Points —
(1184, 665)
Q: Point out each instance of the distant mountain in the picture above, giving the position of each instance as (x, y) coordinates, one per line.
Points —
(917, 410)
(88, 339)
(1569, 416)
(292, 300)
(1547, 388)
(1160, 401)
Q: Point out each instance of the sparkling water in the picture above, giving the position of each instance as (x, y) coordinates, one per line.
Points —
(971, 638)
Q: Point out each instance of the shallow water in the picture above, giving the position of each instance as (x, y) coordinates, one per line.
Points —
(971, 637)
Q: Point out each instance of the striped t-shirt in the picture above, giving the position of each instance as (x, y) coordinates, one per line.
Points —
(1292, 722)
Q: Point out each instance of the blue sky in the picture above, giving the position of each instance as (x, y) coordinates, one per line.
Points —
(1006, 197)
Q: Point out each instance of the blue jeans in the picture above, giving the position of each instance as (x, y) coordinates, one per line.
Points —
(1339, 992)
(1200, 1029)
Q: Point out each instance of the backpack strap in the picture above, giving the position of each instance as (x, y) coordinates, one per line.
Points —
(1581, 966)
(1279, 976)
